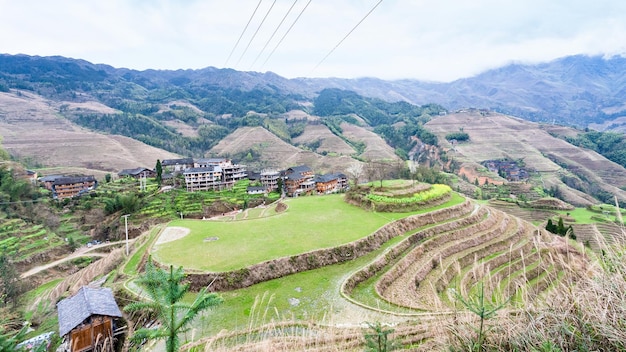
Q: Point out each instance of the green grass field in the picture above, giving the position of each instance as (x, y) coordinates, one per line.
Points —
(586, 216)
(309, 223)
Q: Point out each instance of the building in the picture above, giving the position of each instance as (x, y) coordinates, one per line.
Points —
(231, 173)
(31, 176)
(331, 183)
(48, 181)
(87, 318)
(256, 190)
(74, 186)
(269, 179)
(298, 180)
(177, 165)
(203, 178)
(137, 173)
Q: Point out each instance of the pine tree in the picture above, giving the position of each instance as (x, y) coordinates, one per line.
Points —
(560, 228)
(159, 172)
(550, 226)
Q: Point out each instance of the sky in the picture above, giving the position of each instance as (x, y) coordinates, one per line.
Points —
(440, 40)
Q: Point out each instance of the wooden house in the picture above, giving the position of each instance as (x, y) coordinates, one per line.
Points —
(331, 183)
(137, 173)
(88, 318)
(299, 180)
(74, 186)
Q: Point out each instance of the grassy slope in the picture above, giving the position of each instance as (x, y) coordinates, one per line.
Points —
(317, 292)
(309, 223)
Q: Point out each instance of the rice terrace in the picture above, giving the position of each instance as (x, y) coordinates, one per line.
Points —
(331, 263)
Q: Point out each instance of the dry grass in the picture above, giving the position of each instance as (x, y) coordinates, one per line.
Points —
(328, 141)
(495, 136)
(375, 147)
(31, 127)
(585, 310)
(276, 153)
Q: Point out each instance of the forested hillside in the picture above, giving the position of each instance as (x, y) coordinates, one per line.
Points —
(324, 123)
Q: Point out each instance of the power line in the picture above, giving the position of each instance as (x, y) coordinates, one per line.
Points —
(255, 33)
(284, 35)
(244, 31)
(346, 36)
(272, 36)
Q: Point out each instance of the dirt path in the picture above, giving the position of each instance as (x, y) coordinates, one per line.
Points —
(80, 252)
(172, 233)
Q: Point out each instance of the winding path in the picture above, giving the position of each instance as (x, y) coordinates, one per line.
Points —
(83, 251)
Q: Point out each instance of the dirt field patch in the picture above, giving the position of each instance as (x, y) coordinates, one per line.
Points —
(172, 234)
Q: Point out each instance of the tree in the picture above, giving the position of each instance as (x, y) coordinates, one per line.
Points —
(550, 226)
(10, 287)
(484, 309)
(107, 178)
(355, 171)
(165, 291)
(377, 170)
(377, 339)
(159, 172)
(279, 185)
(560, 227)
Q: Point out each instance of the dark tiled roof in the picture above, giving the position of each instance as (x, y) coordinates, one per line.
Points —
(133, 172)
(184, 161)
(85, 303)
(295, 176)
(50, 178)
(298, 169)
(73, 179)
(326, 178)
(255, 189)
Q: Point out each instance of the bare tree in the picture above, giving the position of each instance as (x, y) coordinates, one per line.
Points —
(377, 170)
(355, 172)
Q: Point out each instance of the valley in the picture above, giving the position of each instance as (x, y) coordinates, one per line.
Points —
(446, 212)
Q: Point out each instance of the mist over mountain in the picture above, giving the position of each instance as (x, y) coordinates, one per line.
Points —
(576, 90)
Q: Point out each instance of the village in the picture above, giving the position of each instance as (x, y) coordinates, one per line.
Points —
(208, 174)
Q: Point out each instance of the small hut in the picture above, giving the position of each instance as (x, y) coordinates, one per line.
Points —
(87, 318)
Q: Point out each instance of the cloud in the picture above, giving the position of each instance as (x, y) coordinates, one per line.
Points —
(441, 40)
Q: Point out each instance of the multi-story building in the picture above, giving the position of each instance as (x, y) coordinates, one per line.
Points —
(203, 178)
(177, 165)
(269, 179)
(298, 180)
(331, 183)
(68, 187)
(231, 173)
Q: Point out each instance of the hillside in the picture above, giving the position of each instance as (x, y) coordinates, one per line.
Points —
(59, 112)
(575, 90)
(33, 131)
(554, 162)
(261, 149)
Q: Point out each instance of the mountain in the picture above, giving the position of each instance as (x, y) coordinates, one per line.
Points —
(575, 90)
(56, 111)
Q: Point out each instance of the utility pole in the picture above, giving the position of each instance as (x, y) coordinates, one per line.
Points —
(126, 227)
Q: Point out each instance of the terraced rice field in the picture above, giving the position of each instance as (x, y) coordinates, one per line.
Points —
(22, 240)
(476, 244)
(534, 216)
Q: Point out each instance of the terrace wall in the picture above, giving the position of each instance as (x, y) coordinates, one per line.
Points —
(280, 267)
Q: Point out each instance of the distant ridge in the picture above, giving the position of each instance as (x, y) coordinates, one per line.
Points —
(576, 90)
